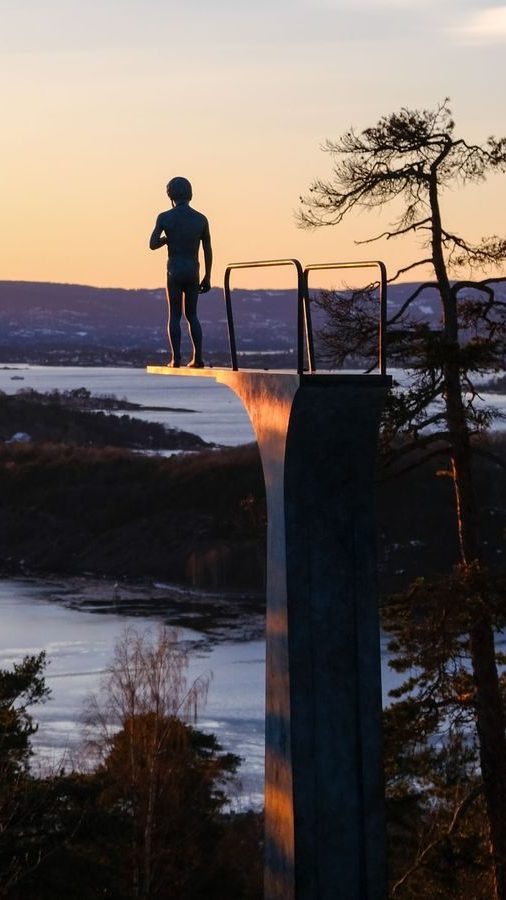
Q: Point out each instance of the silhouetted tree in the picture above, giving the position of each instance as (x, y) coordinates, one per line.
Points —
(409, 159)
(21, 687)
(163, 774)
(145, 820)
(435, 795)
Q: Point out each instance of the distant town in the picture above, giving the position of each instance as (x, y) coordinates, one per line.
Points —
(65, 324)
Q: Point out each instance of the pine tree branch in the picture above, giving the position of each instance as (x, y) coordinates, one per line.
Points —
(447, 236)
(413, 296)
(421, 443)
(459, 813)
(490, 250)
(489, 454)
(474, 285)
(421, 262)
(424, 398)
(498, 280)
(440, 451)
(407, 448)
(483, 285)
(431, 420)
(397, 233)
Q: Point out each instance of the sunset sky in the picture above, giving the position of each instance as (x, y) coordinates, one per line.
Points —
(104, 101)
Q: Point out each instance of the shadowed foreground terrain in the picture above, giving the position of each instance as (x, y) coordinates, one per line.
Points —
(75, 499)
(200, 519)
(195, 520)
(76, 417)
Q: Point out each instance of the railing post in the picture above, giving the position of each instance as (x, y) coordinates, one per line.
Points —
(303, 320)
(230, 320)
(362, 264)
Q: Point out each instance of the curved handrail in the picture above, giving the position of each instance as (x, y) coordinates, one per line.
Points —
(362, 264)
(302, 309)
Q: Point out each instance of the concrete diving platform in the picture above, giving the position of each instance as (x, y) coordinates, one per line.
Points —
(324, 808)
(317, 434)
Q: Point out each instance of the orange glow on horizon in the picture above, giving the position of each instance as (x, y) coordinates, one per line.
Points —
(94, 128)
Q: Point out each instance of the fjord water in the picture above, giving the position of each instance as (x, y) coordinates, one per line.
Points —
(80, 643)
(212, 410)
(79, 646)
(198, 405)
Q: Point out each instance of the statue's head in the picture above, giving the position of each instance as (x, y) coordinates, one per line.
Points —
(179, 190)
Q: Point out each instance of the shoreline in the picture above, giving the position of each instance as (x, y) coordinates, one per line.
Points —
(219, 616)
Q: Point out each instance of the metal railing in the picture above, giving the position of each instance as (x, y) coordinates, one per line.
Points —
(302, 307)
(304, 327)
(363, 264)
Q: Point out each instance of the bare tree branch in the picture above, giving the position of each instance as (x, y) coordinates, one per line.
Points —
(416, 293)
(440, 451)
(390, 234)
(421, 262)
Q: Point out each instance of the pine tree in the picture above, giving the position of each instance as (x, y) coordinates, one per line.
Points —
(409, 159)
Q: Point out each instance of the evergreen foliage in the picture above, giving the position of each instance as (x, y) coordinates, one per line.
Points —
(146, 820)
(407, 161)
(75, 417)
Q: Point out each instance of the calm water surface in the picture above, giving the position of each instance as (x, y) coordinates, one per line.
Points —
(216, 414)
(79, 646)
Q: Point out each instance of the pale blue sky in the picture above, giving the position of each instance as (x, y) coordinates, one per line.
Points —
(71, 25)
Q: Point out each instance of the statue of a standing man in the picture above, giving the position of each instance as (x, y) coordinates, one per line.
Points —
(184, 229)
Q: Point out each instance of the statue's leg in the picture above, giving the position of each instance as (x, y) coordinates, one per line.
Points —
(175, 301)
(191, 296)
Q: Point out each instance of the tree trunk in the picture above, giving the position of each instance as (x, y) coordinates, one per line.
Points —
(488, 701)
(490, 722)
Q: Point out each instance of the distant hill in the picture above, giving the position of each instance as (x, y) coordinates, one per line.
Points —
(42, 318)
(66, 323)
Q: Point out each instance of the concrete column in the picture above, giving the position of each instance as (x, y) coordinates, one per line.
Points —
(324, 783)
(324, 807)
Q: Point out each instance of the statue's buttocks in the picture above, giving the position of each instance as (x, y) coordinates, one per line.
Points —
(182, 230)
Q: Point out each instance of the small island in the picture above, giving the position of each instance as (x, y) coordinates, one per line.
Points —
(78, 417)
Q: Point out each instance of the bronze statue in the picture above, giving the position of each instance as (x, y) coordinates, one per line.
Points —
(184, 229)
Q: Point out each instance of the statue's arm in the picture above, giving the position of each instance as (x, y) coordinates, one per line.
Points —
(208, 259)
(156, 240)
